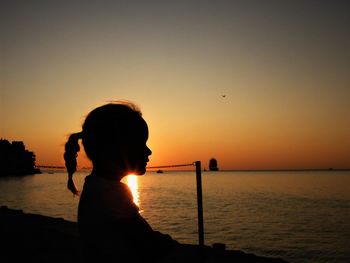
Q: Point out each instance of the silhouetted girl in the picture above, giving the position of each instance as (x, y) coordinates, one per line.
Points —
(114, 137)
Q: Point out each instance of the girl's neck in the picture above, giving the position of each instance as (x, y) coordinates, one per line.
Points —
(109, 174)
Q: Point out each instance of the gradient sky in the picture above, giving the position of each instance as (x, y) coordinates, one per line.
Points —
(284, 67)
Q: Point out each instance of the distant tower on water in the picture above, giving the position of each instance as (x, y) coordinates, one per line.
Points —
(213, 165)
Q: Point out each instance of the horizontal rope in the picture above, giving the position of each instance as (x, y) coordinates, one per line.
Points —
(50, 166)
(171, 166)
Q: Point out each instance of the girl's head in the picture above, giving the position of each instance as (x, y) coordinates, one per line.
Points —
(114, 137)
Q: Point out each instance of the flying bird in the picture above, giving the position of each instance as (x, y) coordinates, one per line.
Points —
(224, 96)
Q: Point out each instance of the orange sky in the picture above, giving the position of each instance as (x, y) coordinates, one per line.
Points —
(284, 68)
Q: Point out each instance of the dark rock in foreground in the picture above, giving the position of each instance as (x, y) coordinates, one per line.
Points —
(36, 238)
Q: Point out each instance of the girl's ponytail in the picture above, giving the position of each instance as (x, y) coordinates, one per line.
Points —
(70, 157)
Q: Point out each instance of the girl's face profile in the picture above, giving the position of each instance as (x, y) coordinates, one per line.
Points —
(136, 150)
(129, 152)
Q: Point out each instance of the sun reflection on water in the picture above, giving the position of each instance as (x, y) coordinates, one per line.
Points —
(132, 182)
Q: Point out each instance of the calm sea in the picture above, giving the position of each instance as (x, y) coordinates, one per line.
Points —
(300, 216)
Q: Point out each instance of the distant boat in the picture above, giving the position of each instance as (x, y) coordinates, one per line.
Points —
(159, 171)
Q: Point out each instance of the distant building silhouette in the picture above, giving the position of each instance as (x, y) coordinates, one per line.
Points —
(15, 159)
(213, 165)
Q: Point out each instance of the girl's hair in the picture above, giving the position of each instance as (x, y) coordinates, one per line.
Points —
(70, 157)
(106, 125)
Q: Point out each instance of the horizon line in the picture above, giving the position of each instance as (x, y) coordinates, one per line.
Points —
(221, 170)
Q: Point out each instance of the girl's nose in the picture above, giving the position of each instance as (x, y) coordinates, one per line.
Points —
(148, 150)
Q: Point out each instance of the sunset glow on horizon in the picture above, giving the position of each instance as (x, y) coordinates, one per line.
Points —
(254, 84)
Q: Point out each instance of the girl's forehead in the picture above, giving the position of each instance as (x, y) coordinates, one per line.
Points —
(133, 129)
(144, 130)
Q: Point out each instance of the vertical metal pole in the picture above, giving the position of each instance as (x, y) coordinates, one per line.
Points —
(200, 210)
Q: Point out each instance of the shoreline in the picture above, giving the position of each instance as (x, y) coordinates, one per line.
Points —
(48, 239)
